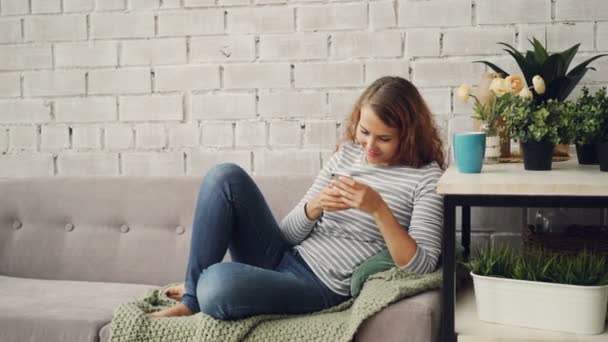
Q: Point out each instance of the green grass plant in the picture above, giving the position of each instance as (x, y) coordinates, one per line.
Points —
(503, 261)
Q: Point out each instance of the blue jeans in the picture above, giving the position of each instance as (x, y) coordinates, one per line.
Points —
(266, 276)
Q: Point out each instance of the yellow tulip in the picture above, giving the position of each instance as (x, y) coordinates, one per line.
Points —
(516, 83)
(539, 84)
(463, 92)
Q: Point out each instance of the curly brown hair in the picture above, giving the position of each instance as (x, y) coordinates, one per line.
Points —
(399, 105)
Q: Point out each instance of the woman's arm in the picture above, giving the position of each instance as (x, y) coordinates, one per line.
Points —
(400, 244)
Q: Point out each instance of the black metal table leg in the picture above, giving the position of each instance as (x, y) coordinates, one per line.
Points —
(448, 260)
(466, 231)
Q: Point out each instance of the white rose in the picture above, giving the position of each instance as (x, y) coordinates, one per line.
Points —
(525, 93)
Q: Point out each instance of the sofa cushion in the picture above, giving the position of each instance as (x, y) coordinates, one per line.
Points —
(34, 310)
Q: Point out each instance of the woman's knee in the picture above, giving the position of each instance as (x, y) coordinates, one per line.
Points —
(216, 292)
(220, 173)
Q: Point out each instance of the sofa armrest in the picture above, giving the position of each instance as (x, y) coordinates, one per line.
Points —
(413, 319)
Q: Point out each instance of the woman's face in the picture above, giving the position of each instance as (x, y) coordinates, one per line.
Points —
(380, 142)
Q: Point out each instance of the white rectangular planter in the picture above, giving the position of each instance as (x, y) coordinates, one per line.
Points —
(567, 308)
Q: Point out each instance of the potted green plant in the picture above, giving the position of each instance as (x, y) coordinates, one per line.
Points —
(533, 288)
(554, 70)
(538, 127)
(602, 139)
(585, 117)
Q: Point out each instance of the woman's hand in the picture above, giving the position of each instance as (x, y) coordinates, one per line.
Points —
(327, 200)
(175, 292)
(358, 195)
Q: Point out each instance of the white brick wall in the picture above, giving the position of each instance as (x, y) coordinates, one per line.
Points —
(143, 87)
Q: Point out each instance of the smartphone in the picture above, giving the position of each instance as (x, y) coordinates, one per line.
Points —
(339, 173)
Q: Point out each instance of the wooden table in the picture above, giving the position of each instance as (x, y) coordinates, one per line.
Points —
(508, 185)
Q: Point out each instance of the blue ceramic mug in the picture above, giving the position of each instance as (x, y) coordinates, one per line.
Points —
(469, 151)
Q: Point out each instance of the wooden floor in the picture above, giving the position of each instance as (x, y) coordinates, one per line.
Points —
(471, 329)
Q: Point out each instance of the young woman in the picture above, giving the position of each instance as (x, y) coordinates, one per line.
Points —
(389, 164)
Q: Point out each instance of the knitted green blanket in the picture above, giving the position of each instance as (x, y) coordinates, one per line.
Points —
(338, 323)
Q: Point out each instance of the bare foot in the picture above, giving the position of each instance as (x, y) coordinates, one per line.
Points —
(174, 311)
(175, 292)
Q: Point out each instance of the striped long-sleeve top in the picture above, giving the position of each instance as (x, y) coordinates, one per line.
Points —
(336, 243)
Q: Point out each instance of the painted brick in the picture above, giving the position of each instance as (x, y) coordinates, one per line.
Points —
(581, 10)
(513, 11)
(346, 45)
(119, 81)
(26, 165)
(110, 5)
(200, 162)
(9, 84)
(23, 137)
(250, 133)
(291, 104)
(198, 3)
(10, 7)
(24, 111)
(132, 25)
(320, 134)
(55, 137)
(260, 20)
(602, 36)
(332, 17)
(144, 4)
(87, 164)
(422, 43)
(53, 83)
(442, 73)
(223, 106)
(3, 139)
(217, 134)
(435, 13)
(78, 5)
(328, 75)
(193, 22)
(527, 32)
(10, 30)
(189, 77)
(377, 69)
(151, 108)
(55, 28)
(341, 103)
(86, 54)
(382, 14)
(473, 41)
(171, 4)
(223, 48)
(243, 76)
(287, 162)
(561, 37)
(118, 137)
(157, 51)
(150, 136)
(152, 164)
(86, 137)
(25, 57)
(46, 6)
(438, 100)
(293, 46)
(285, 134)
(85, 109)
(184, 135)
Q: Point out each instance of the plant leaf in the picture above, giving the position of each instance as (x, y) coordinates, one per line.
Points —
(553, 68)
(494, 67)
(569, 54)
(540, 53)
(526, 69)
(584, 64)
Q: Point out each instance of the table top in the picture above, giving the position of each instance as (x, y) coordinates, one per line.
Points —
(565, 179)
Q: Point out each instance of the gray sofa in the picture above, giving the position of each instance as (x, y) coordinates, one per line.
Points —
(72, 249)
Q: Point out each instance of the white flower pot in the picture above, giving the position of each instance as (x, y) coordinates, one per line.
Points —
(566, 308)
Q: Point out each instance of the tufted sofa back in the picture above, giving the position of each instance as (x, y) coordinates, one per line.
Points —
(110, 229)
